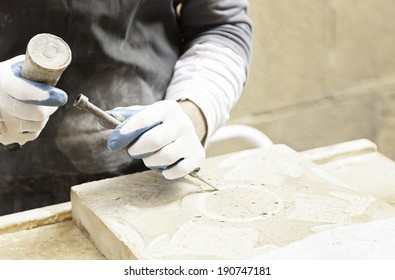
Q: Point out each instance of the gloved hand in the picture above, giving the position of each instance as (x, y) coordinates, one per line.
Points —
(161, 134)
(25, 106)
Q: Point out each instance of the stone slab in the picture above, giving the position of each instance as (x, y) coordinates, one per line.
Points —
(59, 241)
(368, 241)
(268, 198)
(358, 164)
(35, 218)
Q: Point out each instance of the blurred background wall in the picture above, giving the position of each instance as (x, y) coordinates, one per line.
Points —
(323, 72)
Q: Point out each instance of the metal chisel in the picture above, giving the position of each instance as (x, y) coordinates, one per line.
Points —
(82, 102)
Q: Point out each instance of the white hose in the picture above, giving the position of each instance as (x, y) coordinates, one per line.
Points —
(248, 134)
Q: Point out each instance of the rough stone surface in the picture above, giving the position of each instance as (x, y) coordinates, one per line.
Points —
(268, 198)
(358, 164)
(35, 218)
(370, 241)
(60, 241)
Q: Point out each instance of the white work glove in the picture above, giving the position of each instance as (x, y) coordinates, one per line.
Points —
(25, 106)
(161, 134)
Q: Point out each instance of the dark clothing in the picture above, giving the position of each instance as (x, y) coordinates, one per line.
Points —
(123, 54)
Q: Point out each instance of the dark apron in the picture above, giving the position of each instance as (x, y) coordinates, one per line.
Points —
(123, 54)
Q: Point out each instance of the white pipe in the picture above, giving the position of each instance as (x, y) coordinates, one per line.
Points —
(248, 134)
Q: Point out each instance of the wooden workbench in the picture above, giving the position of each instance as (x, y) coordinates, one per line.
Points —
(50, 233)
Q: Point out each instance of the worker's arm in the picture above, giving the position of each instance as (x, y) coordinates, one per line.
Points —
(25, 106)
(207, 82)
(216, 54)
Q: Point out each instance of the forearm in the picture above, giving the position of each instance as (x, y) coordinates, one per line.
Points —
(213, 67)
(212, 77)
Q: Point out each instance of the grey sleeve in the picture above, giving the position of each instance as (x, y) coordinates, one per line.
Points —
(223, 22)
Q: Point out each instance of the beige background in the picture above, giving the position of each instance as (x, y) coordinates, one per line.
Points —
(323, 72)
